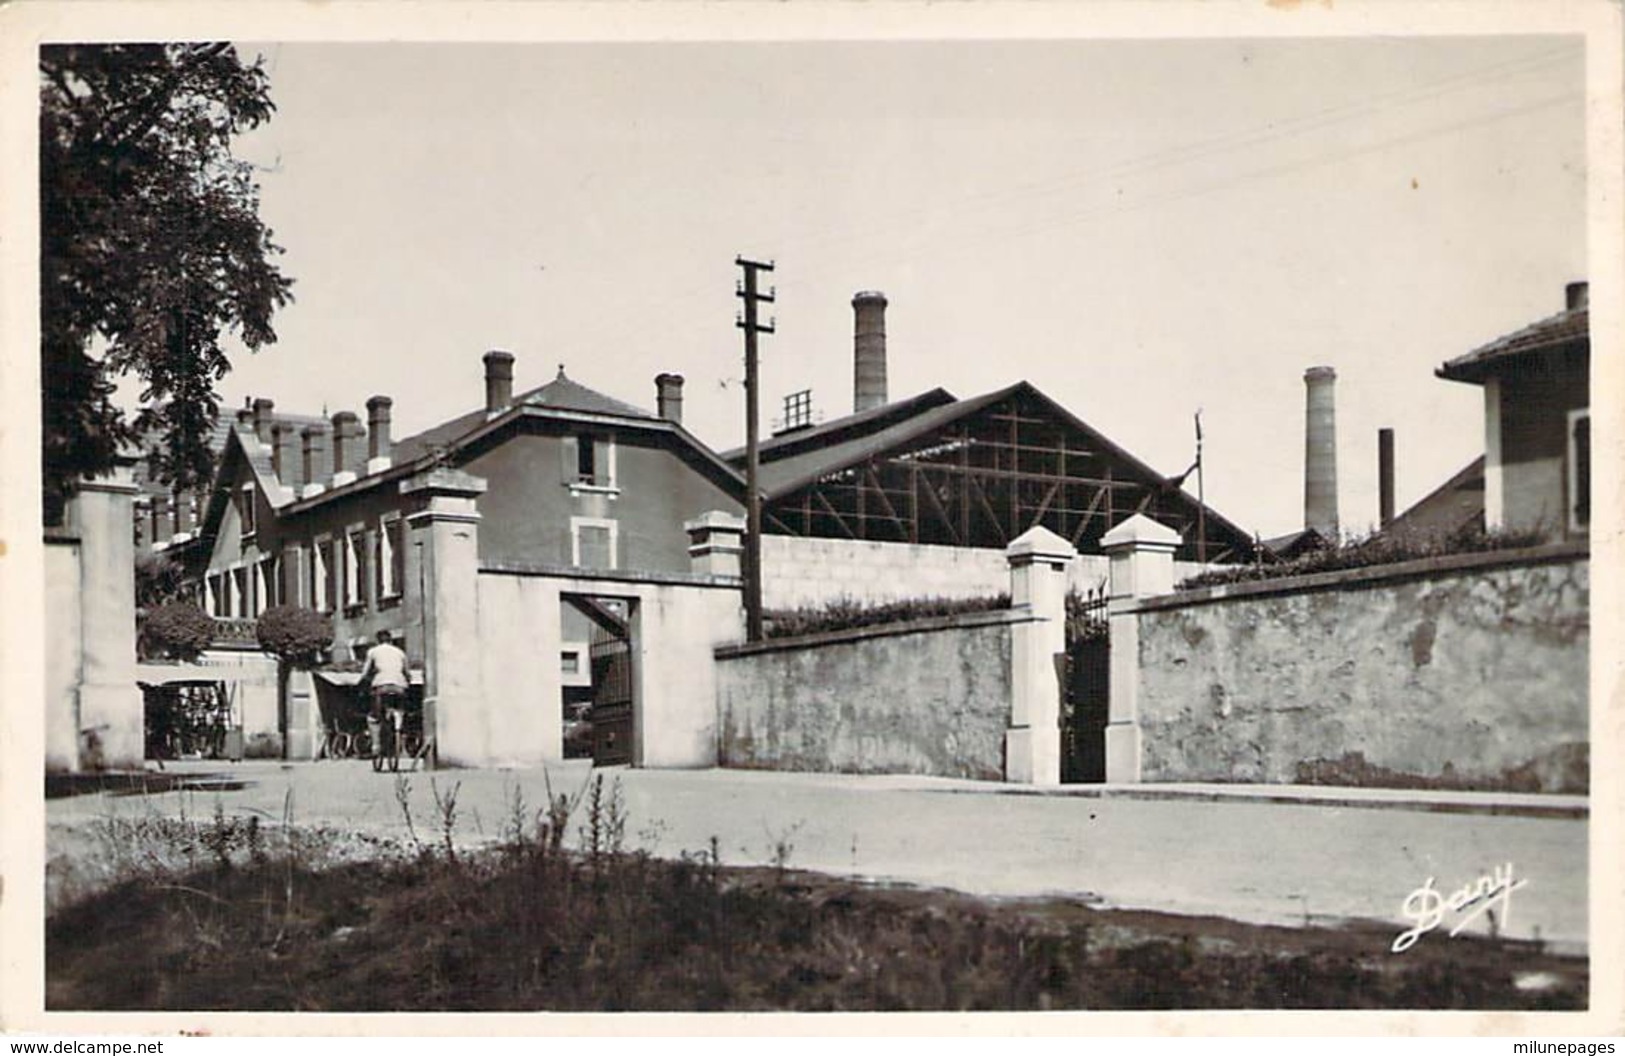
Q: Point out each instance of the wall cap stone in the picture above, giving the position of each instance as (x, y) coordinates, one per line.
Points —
(614, 575)
(1451, 564)
(958, 621)
(1040, 544)
(1140, 530)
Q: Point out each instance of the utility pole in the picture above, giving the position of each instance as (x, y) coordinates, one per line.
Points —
(747, 291)
(1201, 496)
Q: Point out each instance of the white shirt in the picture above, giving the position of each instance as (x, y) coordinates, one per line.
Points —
(387, 665)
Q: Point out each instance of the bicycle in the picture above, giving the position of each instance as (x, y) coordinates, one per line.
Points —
(390, 738)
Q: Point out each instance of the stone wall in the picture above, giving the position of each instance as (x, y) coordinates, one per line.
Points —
(1462, 672)
(925, 697)
(798, 572)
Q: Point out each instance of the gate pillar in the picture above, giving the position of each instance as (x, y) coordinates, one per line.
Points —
(446, 525)
(1032, 745)
(1142, 565)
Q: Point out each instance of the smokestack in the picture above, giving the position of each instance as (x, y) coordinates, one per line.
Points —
(498, 381)
(378, 443)
(869, 350)
(1320, 452)
(1577, 295)
(1385, 477)
(669, 397)
(345, 424)
(314, 437)
(263, 419)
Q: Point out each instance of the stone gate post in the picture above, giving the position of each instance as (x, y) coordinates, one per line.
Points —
(111, 716)
(1032, 745)
(1142, 565)
(447, 526)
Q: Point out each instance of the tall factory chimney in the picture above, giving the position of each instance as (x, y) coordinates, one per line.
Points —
(1320, 452)
(1385, 477)
(869, 350)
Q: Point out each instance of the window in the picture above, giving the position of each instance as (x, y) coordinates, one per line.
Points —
(589, 462)
(592, 542)
(214, 597)
(246, 509)
(321, 576)
(355, 577)
(1579, 469)
(261, 589)
(242, 593)
(389, 558)
(569, 662)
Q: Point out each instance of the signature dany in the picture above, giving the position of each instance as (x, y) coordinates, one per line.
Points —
(1426, 907)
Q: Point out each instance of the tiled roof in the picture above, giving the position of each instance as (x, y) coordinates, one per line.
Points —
(562, 393)
(1570, 327)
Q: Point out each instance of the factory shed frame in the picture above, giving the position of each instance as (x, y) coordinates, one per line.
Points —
(976, 472)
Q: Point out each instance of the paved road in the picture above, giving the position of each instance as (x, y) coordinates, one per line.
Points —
(1187, 850)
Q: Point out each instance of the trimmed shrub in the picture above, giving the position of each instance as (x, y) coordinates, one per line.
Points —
(1374, 550)
(295, 635)
(846, 613)
(178, 631)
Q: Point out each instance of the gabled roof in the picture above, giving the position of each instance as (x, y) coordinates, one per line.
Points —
(848, 427)
(1294, 544)
(561, 393)
(788, 473)
(1457, 502)
(1569, 328)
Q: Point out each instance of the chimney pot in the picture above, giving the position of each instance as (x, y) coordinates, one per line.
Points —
(869, 350)
(1320, 452)
(669, 397)
(1577, 295)
(378, 440)
(499, 380)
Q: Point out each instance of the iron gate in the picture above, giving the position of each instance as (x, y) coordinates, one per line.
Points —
(1085, 689)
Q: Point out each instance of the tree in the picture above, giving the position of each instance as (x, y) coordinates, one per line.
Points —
(151, 249)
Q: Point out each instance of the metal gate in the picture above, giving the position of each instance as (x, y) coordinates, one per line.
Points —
(1085, 690)
(609, 653)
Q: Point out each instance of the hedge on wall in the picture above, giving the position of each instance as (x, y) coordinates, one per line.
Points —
(293, 634)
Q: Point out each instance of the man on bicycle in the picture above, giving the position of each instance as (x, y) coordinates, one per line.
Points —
(385, 673)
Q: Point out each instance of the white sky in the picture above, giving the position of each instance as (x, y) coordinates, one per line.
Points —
(1140, 228)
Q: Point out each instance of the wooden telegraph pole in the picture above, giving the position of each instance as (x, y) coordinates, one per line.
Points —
(748, 291)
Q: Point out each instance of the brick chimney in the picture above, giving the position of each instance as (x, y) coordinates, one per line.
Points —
(245, 419)
(869, 350)
(669, 397)
(315, 444)
(498, 381)
(263, 419)
(284, 451)
(1320, 452)
(1577, 295)
(378, 442)
(345, 424)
